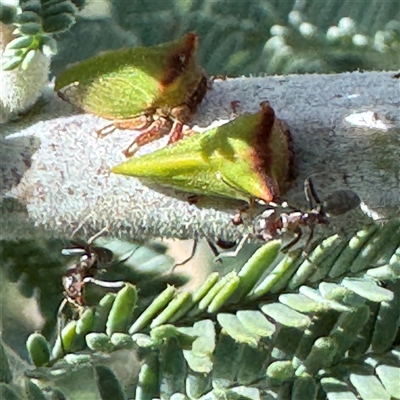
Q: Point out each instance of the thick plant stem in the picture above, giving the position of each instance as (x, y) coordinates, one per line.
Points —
(345, 128)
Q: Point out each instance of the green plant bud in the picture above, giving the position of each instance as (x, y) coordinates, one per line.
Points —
(102, 311)
(286, 316)
(68, 334)
(282, 371)
(11, 64)
(85, 322)
(211, 280)
(245, 159)
(173, 307)
(8, 53)
(38, 349)
(122, 310)
(142, 340)
(7, 14)
(58, 23)
(304, 387)
(78, 359)
(28, 16)
(376, 246)
(148, 387)
(207, 299)
(154, 308)
(99, 342)
(164, 333)
(350, 253)
(255, 322)
(57, 8)
(143, 88)
(30, 28)
(386, 326)
(32, 391)
(257, 264)
(224, 294)
(108, 384)
(234, 328)
(21, 42)
(34, 6)
(122, 341)
(48, 45)
(321, 355)
(28, 59)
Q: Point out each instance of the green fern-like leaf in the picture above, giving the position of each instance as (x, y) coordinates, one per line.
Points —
(288, 324)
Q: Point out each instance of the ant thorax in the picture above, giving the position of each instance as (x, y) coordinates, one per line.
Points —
(73, 283)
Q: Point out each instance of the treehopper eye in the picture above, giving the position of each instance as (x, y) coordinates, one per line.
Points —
(155, 90)
(248, 158)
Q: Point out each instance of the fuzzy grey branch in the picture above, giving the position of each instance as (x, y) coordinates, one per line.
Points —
(55, 170)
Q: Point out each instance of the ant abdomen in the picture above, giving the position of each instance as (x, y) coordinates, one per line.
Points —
(340, 202)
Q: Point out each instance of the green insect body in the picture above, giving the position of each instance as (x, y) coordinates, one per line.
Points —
(155, 90)
(245, 159)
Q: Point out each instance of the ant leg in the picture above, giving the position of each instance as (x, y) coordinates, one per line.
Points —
(105, 284)
(94, 237)
(192, 254)
(307, 246)
(311, 194)
(97, 235)
(59, 325)
(308, 192)
(213, 248)
(234, 253)
(297, 235)
(80, 226)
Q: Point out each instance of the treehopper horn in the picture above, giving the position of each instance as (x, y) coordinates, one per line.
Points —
(246, 159)
(155, 90)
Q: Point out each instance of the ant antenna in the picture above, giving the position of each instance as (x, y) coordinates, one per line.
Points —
(311, 194)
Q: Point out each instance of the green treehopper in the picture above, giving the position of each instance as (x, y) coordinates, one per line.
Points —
(249, 158)
(155, 90)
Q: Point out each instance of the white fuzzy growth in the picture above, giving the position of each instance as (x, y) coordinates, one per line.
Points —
(19, 88)
(58, 170)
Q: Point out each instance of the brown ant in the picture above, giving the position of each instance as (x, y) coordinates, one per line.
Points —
(79, 274)
(273, 222)
(83, 272)
(277, 219)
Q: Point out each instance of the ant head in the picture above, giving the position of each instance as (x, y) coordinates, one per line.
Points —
(87, 252)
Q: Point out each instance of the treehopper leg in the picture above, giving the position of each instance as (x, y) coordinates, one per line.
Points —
(138, 123)
(176, 132)
(156, 130)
